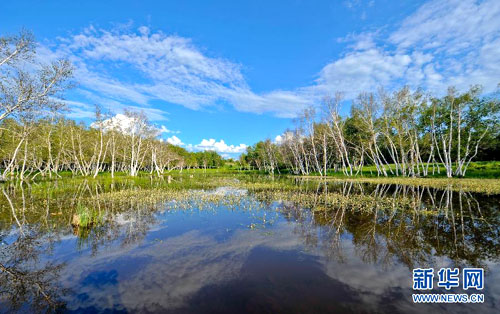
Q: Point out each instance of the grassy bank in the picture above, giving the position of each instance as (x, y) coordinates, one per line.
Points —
(478, 169)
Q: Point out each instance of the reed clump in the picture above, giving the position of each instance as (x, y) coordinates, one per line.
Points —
(86, 217)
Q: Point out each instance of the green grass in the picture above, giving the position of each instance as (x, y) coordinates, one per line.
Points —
(478, 169)
(484, 169)
(86, 217)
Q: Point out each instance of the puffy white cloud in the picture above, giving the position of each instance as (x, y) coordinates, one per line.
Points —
(174, 140)
(220, 146)
(127, 124)
(286, 136)
(119, 122)
(278, 139)
(211, 144)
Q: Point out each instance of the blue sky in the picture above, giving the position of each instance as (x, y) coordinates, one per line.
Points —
(240, 71)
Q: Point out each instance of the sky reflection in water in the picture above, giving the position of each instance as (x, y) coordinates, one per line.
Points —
(276, 258)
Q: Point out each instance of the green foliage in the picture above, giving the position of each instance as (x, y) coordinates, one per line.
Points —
(208, 159)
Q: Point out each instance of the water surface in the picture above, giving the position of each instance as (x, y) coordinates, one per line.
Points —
(234, 249)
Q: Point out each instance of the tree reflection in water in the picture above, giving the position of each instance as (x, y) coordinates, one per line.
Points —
(25, 279)
(441, 223)
(29, 281)
(386, 224)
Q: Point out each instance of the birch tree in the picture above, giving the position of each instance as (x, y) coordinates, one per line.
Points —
(336, 128)
(27, 84)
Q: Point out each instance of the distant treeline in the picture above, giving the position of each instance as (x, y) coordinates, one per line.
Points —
(405, 133)
(47, 146)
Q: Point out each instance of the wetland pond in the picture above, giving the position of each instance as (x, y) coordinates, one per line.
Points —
(238, 244)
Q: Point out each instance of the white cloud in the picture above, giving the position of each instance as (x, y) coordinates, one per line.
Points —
(124, 68)
(220, 146)
(119, 122)
(285, 104)
(80, 109)
(448, 42)
(449, 25)
(174, 140)
(287, 136)
(363, 71)
(210, 145)
(278, 139)
(164, 129)
(125, 124)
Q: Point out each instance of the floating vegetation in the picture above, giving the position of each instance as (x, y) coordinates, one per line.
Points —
(175, 199)
(487, 186)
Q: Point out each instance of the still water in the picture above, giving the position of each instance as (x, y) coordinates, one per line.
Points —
(251, 254)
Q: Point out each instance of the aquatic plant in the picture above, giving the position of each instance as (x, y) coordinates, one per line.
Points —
(86, 217)
(487, 186)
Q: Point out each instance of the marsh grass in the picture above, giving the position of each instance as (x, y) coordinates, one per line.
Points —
(487, 186)
(86, 217)
(177, 199)
(89, 203)
(478, 169)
